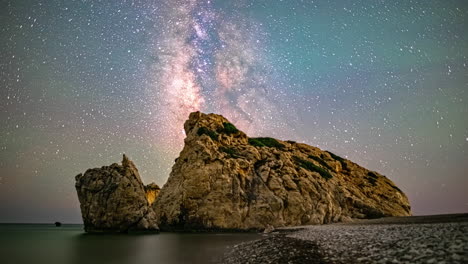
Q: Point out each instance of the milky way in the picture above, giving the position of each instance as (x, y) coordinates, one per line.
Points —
(383, 83)
(213, 63)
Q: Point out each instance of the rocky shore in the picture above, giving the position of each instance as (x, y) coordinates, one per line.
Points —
(421, 239)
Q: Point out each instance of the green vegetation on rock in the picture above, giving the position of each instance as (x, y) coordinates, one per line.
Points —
(205, 131)
(312, 167)
(396, 188)
(336, 157)
(372, 178)
(372, 181)
(372, 175)
(265, 142)
(340, 159)
(229, 128)
(320, 161)
(232, 152)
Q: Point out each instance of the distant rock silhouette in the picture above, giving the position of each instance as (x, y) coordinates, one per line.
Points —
(224, 180)
(58, 224)
(113, 199)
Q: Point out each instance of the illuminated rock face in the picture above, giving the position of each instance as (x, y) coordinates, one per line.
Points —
(113, 199)
(225, 180)
(152, 191)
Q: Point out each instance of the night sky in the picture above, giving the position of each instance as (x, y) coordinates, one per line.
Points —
(383, 83)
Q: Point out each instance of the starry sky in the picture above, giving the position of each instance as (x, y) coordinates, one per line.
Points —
(383, 83)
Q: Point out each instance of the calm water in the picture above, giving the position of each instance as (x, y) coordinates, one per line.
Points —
(69, 244)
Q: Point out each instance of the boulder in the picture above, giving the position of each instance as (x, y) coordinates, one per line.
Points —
(225, 180)
(113, 199)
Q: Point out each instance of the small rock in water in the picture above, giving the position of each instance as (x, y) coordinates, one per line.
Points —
(269, 229)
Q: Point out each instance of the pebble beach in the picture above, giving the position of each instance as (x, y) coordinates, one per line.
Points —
(419, 239)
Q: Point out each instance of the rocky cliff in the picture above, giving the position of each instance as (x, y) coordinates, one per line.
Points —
(225, 180)
(114, 199)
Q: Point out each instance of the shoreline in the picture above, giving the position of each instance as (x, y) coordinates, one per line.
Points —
(415, 239)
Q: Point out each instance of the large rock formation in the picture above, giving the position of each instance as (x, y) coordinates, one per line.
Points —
(225, 180)
(113, 199)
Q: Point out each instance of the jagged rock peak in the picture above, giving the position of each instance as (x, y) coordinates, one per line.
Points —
(223, 179)
(113, 199)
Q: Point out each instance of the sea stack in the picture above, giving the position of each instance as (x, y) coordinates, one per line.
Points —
(114, 199)
(225, 180)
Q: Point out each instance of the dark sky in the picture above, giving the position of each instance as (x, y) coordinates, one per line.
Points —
(383, 83)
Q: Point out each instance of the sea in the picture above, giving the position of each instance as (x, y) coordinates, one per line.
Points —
(45, 243)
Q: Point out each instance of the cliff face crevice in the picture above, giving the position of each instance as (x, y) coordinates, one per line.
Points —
(225, 180)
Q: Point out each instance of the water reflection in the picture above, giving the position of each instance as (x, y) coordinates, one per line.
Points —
(202, 248)
(159, 248)
(88, 248)
(45, 244)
